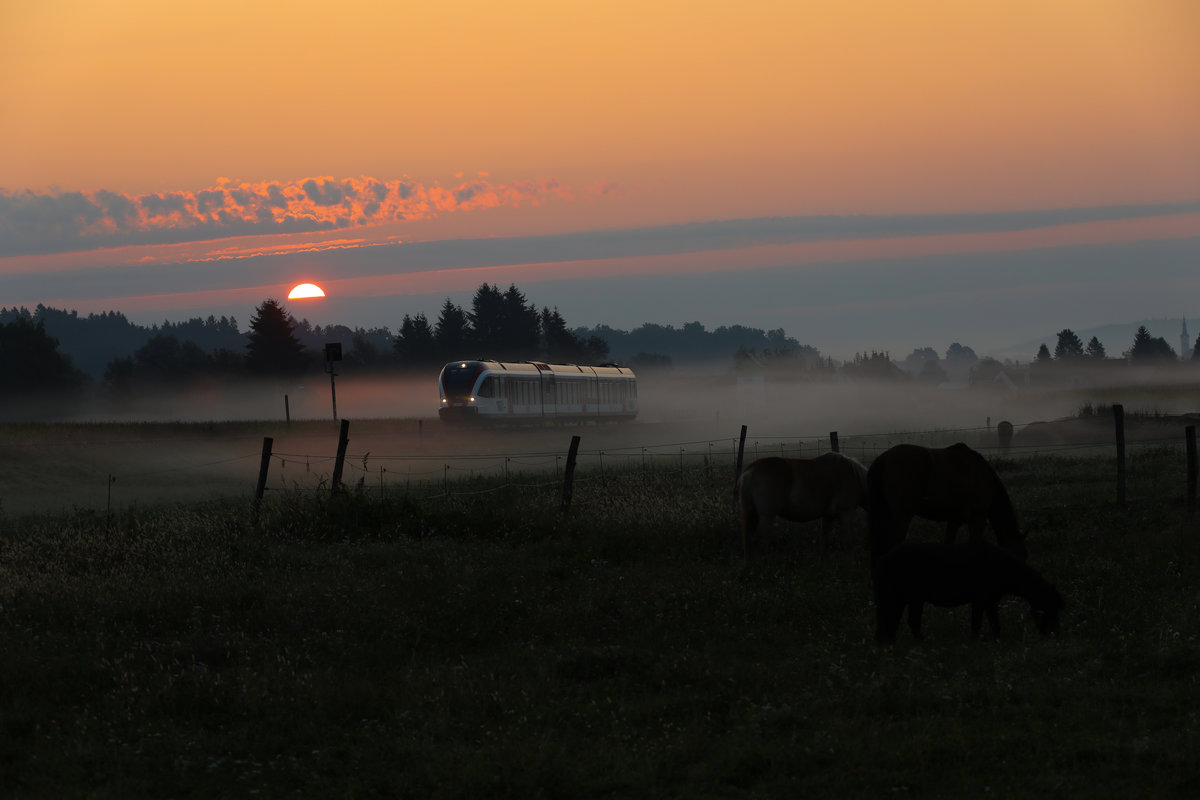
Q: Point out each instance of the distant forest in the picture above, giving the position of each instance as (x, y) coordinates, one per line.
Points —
(56, 353)
(62, 356)
(499, 324)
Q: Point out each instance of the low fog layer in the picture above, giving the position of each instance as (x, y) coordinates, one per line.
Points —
(701, 401)
(396, 439)
(240, 401)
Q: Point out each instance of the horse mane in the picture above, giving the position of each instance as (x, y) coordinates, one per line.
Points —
(856, 468)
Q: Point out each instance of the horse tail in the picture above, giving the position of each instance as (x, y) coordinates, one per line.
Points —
(748, 512)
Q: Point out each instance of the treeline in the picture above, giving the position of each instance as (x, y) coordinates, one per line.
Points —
(692, 343)
(94, 341)
(50, 353)
(1070, 358)
(59, 354)
(1146, 349)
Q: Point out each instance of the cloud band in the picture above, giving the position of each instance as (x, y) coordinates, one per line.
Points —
(37, 223)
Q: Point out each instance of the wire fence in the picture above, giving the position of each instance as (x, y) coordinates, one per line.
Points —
(467, 474)
(463, 474)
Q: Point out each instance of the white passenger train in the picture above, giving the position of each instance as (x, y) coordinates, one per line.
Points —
(533, 391)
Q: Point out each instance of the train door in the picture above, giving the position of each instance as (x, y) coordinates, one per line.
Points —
(549, 395)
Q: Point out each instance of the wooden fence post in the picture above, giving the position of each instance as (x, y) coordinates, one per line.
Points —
(737, 467)
(569, 475)
(1189, 434)
(1004, 432)
(340, 462)
(1119, 424)
(262, 476)
(108, 509)
(833, 441)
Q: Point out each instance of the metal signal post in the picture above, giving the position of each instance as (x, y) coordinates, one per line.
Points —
(333, 352)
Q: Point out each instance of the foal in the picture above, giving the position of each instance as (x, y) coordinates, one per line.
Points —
(914, 573)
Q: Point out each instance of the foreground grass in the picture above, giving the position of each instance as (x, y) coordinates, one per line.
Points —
(484, 645)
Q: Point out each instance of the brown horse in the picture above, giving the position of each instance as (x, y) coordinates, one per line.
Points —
(829, 488)
(954, 484)
(915, 573)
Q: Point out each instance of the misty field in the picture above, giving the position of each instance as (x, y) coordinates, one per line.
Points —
(480, 643)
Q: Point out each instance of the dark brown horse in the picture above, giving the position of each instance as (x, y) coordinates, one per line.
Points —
(915, 573)
(955, 485)
(829, 487)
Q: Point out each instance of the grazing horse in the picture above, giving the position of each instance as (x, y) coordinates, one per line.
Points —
(829, 488)
(915, 573)
(954, 484)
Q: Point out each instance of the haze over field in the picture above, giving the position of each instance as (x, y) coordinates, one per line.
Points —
(862, 175)
(395, 438)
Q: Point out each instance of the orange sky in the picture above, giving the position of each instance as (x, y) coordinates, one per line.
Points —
(770, 107)
(566, 117)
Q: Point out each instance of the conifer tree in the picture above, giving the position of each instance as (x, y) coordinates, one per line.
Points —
(452, 333)
(521, 325)
(414, 344)
(1069, 346)
(31, 362)
(558, 343)
(272, 347)
(1147, 348)
(487, 319)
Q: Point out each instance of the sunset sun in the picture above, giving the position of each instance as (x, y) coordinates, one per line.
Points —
(305, 290)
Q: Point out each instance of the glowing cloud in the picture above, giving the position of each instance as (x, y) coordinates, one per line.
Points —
(33, 222)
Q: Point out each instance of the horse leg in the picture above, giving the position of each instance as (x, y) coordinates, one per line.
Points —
(889, 608)
(750, 525)
(827, 523)
(993, 616)
(915, 609)
(846, 523)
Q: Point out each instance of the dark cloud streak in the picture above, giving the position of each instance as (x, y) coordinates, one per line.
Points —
(415, 257)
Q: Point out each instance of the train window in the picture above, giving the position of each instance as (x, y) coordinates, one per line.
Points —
(488, 387)
(459, 379)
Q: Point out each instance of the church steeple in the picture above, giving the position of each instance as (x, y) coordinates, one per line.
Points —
(1185, 343)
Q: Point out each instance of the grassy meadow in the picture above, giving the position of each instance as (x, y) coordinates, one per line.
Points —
(381, 644)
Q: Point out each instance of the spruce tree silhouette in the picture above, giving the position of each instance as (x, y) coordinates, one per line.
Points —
(1069, 345)
(32, 362)
(272, 348)
(453, 336)
(1150, 349)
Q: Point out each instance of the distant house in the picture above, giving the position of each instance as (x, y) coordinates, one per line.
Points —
(749, 367)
